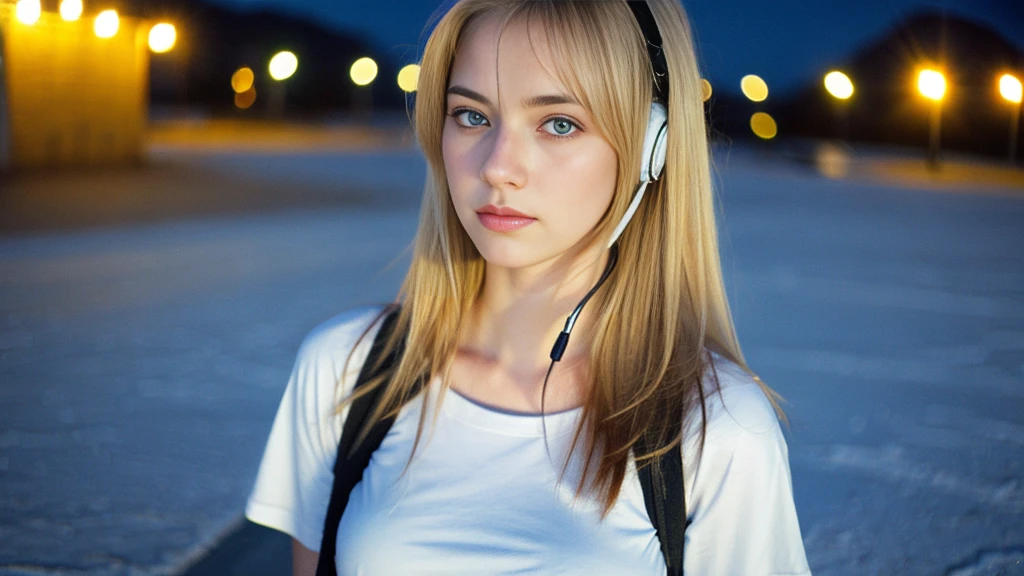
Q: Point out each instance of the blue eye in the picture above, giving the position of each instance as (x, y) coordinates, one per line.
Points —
(562, 126)
(474, 118)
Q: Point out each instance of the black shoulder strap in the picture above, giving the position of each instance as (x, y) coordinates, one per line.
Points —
(662, 482)
(348, 468)
(663, 491)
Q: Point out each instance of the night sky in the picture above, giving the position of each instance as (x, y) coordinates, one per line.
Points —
(787, 42)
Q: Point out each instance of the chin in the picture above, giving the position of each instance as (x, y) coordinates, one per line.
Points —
(508, 252)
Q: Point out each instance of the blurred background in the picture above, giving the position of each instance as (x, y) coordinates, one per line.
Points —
(187, 187)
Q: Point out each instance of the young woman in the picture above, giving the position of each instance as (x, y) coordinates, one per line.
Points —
(532, 115)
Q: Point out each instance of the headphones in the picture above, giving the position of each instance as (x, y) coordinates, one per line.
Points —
(652, 159)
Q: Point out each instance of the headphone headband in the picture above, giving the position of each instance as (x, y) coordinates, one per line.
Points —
(652, 36)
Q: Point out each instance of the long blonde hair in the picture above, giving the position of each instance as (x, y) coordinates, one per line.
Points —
(665, 304)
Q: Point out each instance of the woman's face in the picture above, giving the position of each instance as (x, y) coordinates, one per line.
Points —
(533, 150)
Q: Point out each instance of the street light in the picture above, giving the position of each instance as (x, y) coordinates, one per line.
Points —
(932, 85)
(408, 78)
(754, 88)
(1011, 90)
(71, 10)
(28, 11)
(705, 89)
(283, 65)
(363, 71)
(840, 87)
(162, 37)
(763, 125)
(106, 24)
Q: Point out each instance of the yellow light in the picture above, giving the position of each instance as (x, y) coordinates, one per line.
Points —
(106, 24)
(244, 100)
(763, 125)
(283, 65)
(363, 71)
(754, 88)
(705, 88)
(931, 84)
(28, 11)
(162, 37)
(71, 10)
(838, 85)
(242, 79)
(1010, 88)
(408, 77)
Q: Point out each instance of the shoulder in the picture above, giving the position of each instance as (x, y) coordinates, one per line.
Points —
(329, 344)
(736, 404)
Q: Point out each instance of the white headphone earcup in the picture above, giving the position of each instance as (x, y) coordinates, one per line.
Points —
(653, 158)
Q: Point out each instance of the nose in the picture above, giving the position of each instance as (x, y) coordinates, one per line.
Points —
(504, 166)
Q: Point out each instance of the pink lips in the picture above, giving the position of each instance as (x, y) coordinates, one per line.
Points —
(502, 219)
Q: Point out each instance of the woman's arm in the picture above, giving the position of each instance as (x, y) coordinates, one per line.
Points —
(303, 560)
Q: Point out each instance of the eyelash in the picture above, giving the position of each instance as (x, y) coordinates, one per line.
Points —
(459, 111)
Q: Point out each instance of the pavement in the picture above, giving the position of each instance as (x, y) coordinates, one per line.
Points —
(151, 315)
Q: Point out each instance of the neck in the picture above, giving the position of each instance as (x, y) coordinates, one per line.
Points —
(520, 312)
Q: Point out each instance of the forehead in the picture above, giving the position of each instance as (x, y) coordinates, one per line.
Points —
(517, 58)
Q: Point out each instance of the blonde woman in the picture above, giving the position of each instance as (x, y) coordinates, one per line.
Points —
(555, 180)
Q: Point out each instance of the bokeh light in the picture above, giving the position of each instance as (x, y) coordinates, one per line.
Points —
(1010, 88)
(705, 89)
(162, 37)
(408, 77)
(363, 71)
(838, 85)
(931, 84)
(283, 65)
(71, 10)
(28, 11)
(106, 24)
(763, 125)
(754, 88)
(242, 79)
(245, 100)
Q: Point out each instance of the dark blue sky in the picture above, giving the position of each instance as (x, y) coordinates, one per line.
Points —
(784, 41)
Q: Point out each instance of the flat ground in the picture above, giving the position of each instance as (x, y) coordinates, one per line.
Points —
(150, 317)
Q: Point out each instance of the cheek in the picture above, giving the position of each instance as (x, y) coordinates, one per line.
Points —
(584, 185)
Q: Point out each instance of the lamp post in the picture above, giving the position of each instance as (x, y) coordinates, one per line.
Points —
(840, 87)
(1011, 90)
(362, 72)
(282, 67)
(932, 85)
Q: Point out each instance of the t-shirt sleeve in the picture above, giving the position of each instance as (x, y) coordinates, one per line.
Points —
(295, 477)
(740, 493)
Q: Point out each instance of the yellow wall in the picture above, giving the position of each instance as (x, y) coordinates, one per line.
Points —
(73, 98)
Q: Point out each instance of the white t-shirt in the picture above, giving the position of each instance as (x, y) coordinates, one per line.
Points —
(482, 495)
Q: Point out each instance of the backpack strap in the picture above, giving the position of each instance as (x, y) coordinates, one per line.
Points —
(349, 466)
(662, 483)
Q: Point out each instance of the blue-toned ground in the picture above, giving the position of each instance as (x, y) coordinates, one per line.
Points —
(141, 361)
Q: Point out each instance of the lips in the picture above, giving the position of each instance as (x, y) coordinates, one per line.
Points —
(503, 219)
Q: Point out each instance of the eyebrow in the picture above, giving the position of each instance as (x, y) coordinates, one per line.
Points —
(532, 102)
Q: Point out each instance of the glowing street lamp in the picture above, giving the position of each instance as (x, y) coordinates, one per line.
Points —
(71, 10)
(754, 88)
(28, 11)
(840, 87)
(363, 71)
(1011, 90)
(705, 89)
(162, 37)
(283, 65)
(106, 24)
(408, 77)
(932, 85)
